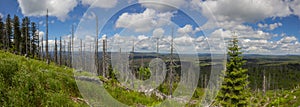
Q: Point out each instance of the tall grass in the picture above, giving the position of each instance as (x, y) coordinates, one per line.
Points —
(27, 82)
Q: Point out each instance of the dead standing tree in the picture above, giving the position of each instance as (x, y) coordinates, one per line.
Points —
(64, 53)
(90, 58)
(26, 36)
(38, 42)
(42, 48)
(80, 61)
(96, 49)
(55, 52)
(171, 66)
(70, 53)
(60, 51)
(84, 57)
(71, 47)
(47, 50)
(132, 65)
(104, 58)
(156, 70)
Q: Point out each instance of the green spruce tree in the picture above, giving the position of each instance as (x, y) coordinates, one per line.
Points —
(234, 91)
(25, 36)
(9, 34)
(17, 35)
(144, 73)
(1, 34)
(34, 40)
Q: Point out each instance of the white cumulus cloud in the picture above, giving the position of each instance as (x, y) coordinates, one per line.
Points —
(163, 5)
(295, 5)
(229, 13)
(142, 37)
(100, 3)
(187, 29)
(57, 8)
(274, 26)
(143, 22)
(270, 26)
(158, 33)
(288, 39)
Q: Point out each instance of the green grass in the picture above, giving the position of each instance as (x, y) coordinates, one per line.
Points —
(110, 93)
(130, 97)
(28, 82)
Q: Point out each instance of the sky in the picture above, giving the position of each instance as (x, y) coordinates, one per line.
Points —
(198, 26)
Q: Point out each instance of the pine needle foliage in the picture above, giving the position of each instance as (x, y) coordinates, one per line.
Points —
(234, 91)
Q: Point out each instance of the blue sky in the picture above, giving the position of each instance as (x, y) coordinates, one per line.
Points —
(264, 28)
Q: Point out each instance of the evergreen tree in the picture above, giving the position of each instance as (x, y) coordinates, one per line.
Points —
(17, 35)
(22, 42)
(1, 33)
(144, 73)
(234, 91)
(34, 40)
(25, 36)
(8, 31)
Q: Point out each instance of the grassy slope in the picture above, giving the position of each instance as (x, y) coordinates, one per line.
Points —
(28, 82)
(123, 96)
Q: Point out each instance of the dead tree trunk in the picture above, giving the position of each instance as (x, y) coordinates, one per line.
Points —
(38, 43)
(157, 55)
(60, 50)
(64, 53)
(47, 51)
(84, 57)
(91, 58)
(70, 53)
(26, 38)
(42, 49)
(80, 61)
(171, 67)
(96, 49)
(104, 58)
(71, 47)
(264, 83)
(55, 51)
(132, 66)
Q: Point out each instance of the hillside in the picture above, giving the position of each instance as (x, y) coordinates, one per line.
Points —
(28, 82)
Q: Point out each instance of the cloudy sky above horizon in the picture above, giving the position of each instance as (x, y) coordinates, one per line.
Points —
(262, 26)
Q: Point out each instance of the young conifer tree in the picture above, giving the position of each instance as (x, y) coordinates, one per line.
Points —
(234, 91)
